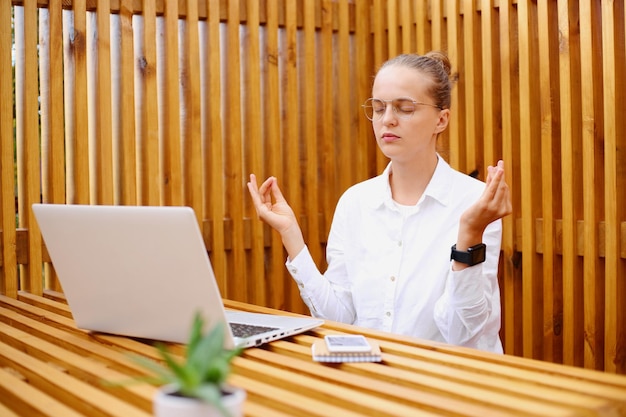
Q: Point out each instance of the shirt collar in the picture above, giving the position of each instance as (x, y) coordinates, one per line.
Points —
(438, 188)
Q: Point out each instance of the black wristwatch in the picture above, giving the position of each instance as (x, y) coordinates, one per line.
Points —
(473, 256)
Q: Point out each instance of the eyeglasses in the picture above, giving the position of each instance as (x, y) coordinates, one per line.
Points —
(403, 107)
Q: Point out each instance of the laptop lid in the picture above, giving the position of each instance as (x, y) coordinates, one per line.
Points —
(143, 271)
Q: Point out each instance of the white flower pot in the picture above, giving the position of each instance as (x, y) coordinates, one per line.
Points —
(167, 405)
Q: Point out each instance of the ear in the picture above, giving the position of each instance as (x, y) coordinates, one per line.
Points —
(442, 122)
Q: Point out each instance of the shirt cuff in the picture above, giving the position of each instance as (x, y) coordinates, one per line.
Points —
(302, 267)
(466, 285)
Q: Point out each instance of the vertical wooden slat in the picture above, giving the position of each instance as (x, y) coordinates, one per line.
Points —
(116, 106)
(236, 285)
(380, 46)
(91, 112)
(451, 141)
(273, 150)
(309, 131)
(103, 135)
(571, 200)
(546, 77)
(253, 145)
(76, 142)
(437, 19)
(27, 128)
(213, 154)
(344, 102)
(615, 336)
(170, 131)
(493, 131)
(44, 100)
(43, 45)
(511, 291)
(384, 48)
(473, 143)
(421, 26)
(377, 29)
(8, 270)
(325, 112)
(53, 141)
(531, 177)
(191, 140)
(148, 144)
(620, 293)
(620, 285)
(392, 28)
(126, 114)
(593, 273)
(290, 122)
(406, 27)
(491, 111)
(51, 91)
(363, 71)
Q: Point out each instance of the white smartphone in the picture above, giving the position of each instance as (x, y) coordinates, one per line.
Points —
(347, 343)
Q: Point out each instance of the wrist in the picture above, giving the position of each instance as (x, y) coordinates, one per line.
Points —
(468, 236)
(293, 241)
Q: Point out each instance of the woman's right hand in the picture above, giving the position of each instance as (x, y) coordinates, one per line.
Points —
(273, 209)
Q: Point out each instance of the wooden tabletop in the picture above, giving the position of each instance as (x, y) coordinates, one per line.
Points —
(48, 367)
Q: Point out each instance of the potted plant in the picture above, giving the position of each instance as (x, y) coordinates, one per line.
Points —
(196, 386)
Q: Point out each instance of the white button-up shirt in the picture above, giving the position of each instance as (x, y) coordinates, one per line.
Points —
(389, 267)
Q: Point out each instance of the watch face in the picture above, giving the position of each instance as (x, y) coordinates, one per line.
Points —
(477, 253)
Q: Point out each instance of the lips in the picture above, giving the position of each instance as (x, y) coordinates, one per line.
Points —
(389, 137)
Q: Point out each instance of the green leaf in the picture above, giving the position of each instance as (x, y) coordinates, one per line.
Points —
(207, 352)
(163, 373)
(183, 373)
(196, 332)
(204, 370)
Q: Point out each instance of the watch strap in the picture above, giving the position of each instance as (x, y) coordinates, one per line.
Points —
(473, 256)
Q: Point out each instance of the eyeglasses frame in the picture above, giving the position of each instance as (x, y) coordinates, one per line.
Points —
(416, 103)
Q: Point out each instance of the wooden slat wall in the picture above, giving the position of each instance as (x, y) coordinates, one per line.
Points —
(177, 102)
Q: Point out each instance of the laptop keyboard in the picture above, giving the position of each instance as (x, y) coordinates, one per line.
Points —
(247, 330)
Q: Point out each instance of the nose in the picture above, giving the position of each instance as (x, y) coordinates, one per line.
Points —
(389, 116)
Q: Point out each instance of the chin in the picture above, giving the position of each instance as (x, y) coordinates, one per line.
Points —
(389, 148)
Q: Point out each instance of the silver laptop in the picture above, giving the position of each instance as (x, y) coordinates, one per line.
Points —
(144, 272)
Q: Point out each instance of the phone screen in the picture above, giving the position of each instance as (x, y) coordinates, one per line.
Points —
(347, 343)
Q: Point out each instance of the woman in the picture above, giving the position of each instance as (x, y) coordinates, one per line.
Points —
(414, 250)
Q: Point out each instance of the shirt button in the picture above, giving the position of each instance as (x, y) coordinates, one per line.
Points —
(293, 270)
(392, 279)
(399, 243)
(388, 314)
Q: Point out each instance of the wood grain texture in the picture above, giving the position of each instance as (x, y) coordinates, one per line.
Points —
(152, 103)
(51, 368)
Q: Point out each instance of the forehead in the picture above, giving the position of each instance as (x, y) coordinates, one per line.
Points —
(400, 81)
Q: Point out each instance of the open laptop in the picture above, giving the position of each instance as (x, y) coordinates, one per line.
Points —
(143, 271)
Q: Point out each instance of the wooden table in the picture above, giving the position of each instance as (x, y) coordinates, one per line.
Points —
(48, 367)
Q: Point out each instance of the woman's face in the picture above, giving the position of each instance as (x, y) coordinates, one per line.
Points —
(400, 137)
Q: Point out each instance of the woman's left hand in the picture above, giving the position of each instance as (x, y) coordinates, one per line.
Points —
(493, 204)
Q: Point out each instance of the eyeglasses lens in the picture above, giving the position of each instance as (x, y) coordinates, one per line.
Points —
(375, 108)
